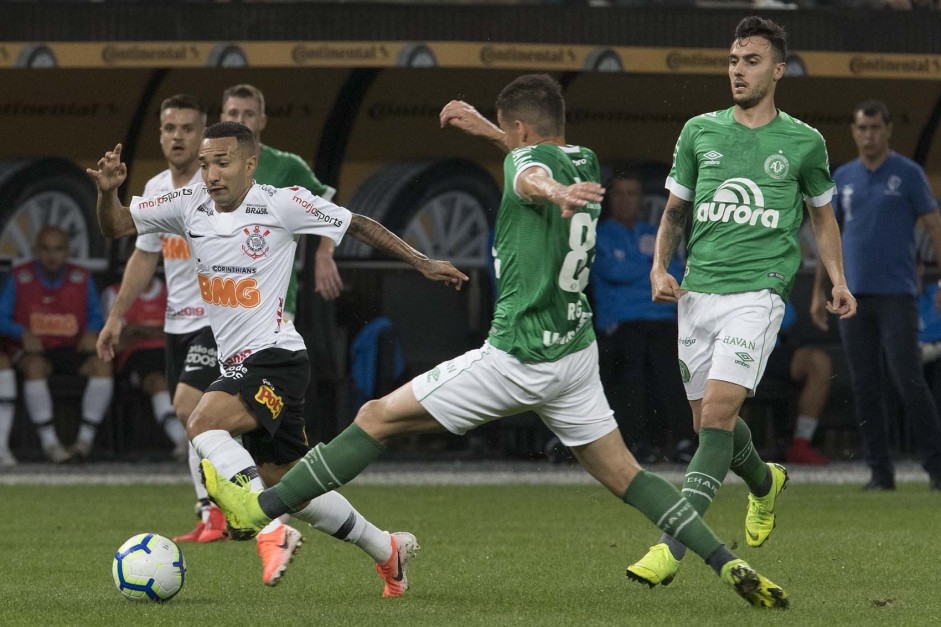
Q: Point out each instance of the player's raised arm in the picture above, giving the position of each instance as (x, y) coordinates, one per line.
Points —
(379, 237)
(459, 114)
(114, 219)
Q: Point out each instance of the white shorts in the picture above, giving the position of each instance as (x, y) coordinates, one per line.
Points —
(727, 337)
(485, 384)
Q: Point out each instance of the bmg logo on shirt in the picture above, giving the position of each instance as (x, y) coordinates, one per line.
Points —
(228, 292)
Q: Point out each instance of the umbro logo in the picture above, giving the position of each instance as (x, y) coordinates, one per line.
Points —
(743, 360)
(712, 157)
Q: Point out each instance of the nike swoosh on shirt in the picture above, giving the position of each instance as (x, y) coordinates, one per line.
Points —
(190, 368)
(193, 235)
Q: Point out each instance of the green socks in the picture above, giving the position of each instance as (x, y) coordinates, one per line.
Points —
(327, 467)
(707, 469)
(660, 502)
(746, 463)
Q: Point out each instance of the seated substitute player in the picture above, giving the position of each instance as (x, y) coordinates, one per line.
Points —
(243, 238)
(50, 313)
(540, 355)
(141, 347)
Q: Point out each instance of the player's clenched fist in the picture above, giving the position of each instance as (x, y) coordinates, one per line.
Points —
(111, 171)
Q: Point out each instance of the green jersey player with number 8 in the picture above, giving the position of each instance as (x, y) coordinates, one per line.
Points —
(541, 260)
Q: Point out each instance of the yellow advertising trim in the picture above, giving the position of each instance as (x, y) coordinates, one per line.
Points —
(547, 57)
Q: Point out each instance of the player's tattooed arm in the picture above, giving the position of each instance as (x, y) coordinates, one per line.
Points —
(379, 237)
(664, 287)
(672, 228)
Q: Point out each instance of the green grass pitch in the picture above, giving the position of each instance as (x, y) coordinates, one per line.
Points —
(491, 555)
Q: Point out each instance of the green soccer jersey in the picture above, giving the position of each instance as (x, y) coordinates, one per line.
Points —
(285, 169)
(541, 260)
(748, 188)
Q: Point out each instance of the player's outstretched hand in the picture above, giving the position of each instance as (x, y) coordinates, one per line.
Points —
(459, 114)
(327, 280)
(111, 171)
(571, 198)
(443, 271)
(664, 287)
(108, 337)
(843, 303)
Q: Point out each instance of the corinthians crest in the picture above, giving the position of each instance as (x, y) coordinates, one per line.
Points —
(256, 246)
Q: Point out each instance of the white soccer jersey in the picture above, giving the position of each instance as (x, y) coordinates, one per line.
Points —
(186, 311)
(244, 257)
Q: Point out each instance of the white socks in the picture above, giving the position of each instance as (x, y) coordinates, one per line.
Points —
(95, 402)
(227, 456)
(7, 407)
(806, 428)
(165, 416)
(38, 402)
(197, 476)
(331, 513)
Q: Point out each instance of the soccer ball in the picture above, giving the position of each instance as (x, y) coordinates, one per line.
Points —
(149, 566)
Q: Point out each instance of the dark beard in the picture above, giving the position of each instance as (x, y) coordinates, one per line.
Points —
(747, 102)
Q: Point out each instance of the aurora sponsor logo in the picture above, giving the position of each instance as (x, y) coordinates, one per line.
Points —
(738, 200)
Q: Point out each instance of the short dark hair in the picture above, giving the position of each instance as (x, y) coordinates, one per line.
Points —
(870, 108)
(244, 90)
(183, 101)
(754, 26)
(242, 134)
(536, 99)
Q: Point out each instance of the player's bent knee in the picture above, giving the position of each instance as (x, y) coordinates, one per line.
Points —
(200, 422)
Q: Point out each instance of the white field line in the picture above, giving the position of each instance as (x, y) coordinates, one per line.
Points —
(431, 473)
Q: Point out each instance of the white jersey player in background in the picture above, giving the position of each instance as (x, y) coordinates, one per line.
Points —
(242, 237)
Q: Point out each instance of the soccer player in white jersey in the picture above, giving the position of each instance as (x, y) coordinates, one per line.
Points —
(540, 354)
(744, 174)
(243, 237)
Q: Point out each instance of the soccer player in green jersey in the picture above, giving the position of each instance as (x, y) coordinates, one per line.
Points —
(540, 355)
(246, 104)
(744, 175)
